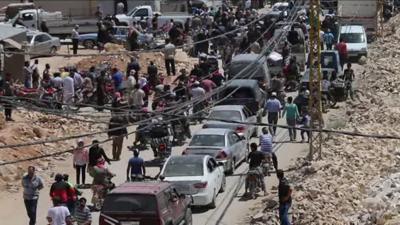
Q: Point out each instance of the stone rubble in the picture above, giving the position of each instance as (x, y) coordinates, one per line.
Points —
(357, 181)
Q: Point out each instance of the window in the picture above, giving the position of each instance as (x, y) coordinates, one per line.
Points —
(27, 16)
(233, 138)
(183, 166)
(130, 203)
(226, 115)
(45, 38)
(141, 13)
(208, 140)
(42, 38)
(353, 37)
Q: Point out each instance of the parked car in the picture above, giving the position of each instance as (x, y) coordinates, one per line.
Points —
(120, 36)
(238, 113)
(197, 175)
(41, 43)
(356, 40)
(146, 203)
(224, 145)
(244, 92)
(250, 66)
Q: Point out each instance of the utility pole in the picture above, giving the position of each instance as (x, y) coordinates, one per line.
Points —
(314, 104)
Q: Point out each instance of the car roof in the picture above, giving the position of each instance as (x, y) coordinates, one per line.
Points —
(351, 29)
(212, 131)
(228, 107)
(243, 83)
(248, 58)
(150, 187)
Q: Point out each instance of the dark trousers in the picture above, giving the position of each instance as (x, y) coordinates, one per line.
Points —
(291, 122)
(80, 170)
(7, 111)
(117, 147)
(75, 46)
(31, 206)
(170, 66)
(272, 120)
(328, 46)
(343, 60)
(307, 132)
(283, 213)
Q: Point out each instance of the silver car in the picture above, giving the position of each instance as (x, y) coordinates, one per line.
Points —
(238, 113)
(41, 43)
(224, 145)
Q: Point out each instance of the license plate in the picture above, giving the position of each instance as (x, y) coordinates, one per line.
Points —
(130, 223)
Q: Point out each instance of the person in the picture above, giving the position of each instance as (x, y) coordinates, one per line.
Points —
(152, 71)
(136, 98)
(169, 56)
(35, 74)
(255, 160)
(154, 24)
(342, 49)
(73, 196)
(328, 39)
(83, 216)
(80, 160)
(285, 197)
(325, 86)
(133, 39)
(117, 78)
(78, 80)
(56, 82)
(349, 78)
(183, 77)
(43, 27)
(133, 65)
(198, 94)
(285, 53)
(46, 77)
(208, 85)
(273, 107)
(131, 82)
(305, 124)
(27, 75)
(59, 214)
(266, 146)
(95, 153)
(247, 5)
(68, 89)
(101, 90)
(293, 36)
(99, 13)
(8, 93)
(136, 168)
(75, 39)
(32, 184)
(61, 190)
(292, 113)
(117, 131)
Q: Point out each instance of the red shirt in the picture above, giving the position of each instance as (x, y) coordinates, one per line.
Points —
(342, 49)
(208, 85)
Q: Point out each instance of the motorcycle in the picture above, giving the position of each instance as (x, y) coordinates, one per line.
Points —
(253, 184)
(50, 98)
(161, 147)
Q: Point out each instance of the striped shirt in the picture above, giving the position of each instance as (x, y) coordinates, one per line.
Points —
(266, 143)
(82, 216)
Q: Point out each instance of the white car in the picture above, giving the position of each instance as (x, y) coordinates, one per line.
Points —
(197, 175)
(355, 38)
(42, 43)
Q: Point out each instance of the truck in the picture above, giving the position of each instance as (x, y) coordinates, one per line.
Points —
(146, 12)
(355, 12)
(57, 24)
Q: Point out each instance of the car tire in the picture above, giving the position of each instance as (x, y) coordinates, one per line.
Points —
(53, 50)
(89, 44)
(223, 185)
(188, 220)
(213, 203)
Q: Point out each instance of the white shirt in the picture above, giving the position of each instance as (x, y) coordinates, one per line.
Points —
(78, 80)
(136, 97)
(169, 51)
(130, 83)
(58, 214)
(247, 4)
(198, 92)
(74, 34)
(57, 82)
(68, 85)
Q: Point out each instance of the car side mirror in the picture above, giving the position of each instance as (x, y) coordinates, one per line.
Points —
(220, 164)
(161, 177)
(241, 138)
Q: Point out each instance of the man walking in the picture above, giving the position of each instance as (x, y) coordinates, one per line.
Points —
(59, 214)
(292, 113)
(328, 39)
(169, 56)
(75, 39)
(31, 184)
(117, 131)
(285, 198)
(273, 107)
(342, 49)
(8, 93)
(266, 146)
(136, 168)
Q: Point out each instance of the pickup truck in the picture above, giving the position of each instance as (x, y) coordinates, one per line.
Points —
(57, 24)
(146, 12)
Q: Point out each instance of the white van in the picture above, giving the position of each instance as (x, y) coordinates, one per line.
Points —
(356, 40)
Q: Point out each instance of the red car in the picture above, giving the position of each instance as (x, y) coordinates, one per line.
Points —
(146, 203)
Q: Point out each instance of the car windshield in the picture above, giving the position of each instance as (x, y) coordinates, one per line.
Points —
(29, 38)
(183, 167)
(353, 37)
(130, 203)
(243, 92)
(213, 140)
(226, 115)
